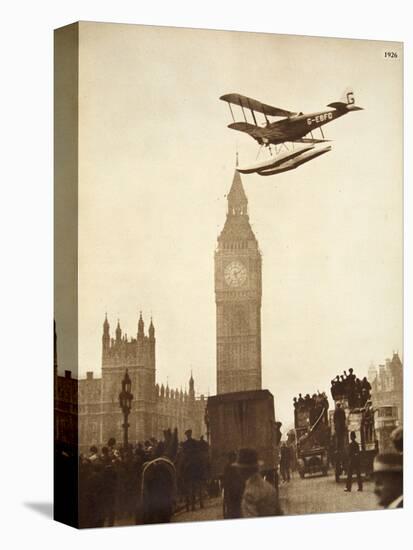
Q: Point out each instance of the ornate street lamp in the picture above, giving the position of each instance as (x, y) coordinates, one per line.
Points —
(206, 420)
(125, 403)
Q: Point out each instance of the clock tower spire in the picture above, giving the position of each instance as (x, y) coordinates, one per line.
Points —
(238, 298)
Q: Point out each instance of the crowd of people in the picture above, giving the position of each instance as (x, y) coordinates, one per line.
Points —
(314, 405)
(148, 482)
(348, 386)
(143, 483)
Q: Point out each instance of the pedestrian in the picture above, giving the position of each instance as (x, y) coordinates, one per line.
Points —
(259, 499)
(233, 485)
(388, 479)
(285, 462)
(109, 482)
(353, 464)
(191, 471)
(203, 448)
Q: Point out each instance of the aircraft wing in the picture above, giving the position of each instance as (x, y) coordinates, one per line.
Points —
(310, 140)
(244, 127)
(255, 105)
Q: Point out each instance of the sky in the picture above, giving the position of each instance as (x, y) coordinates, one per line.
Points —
(156, 161)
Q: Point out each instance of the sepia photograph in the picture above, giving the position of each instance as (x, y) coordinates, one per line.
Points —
(228, 275)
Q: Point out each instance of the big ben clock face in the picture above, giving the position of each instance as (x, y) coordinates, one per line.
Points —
(235, 274)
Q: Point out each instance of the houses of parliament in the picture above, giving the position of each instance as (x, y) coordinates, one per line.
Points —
(95, 400)
(89, 407)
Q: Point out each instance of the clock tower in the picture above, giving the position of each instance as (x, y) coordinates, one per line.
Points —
(238, 298)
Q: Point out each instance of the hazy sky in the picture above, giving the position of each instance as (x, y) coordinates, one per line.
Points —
(156, 161)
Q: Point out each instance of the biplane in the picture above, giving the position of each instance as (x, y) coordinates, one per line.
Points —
(294, 127)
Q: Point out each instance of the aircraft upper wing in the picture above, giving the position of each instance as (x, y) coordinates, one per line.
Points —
(255, 105)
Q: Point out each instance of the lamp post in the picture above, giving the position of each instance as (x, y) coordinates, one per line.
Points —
(206, 420)
(125, 403)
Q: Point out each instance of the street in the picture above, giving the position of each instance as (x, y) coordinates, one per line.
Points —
(319, 495)
(312, 495)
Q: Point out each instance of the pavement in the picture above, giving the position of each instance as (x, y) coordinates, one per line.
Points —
(212, 510)
(311, 495)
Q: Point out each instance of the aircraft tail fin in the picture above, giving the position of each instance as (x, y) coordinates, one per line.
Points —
(346, 103)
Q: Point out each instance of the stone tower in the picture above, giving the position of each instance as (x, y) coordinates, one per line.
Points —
(137, 355)
(238, 298)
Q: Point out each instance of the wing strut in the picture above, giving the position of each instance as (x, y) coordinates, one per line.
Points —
(322, 133)
(232, 114)
(252, 112)
(265, 114)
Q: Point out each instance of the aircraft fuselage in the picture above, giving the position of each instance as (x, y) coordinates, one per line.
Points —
(297, 126)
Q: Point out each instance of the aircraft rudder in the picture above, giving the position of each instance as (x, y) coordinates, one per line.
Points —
(347, 102)
(348, 97)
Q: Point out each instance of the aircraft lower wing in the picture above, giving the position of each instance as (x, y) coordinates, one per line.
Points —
(243, 127)
(310, 140)
(271, 135)
(259, 133)
(254, 131)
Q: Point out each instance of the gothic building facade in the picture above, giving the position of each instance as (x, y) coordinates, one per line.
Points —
(387, 398)
(387, 384)
(238, 298)
(154, 407)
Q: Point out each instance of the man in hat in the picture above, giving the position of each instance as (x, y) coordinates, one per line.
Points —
(203, 450)
(365, 385)
(351, 389)
(351, 377)
(353, 463)
(388, 479)
(259, 498)
(233, 485)
(191, 471)
(333, 388)
(285, 462)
